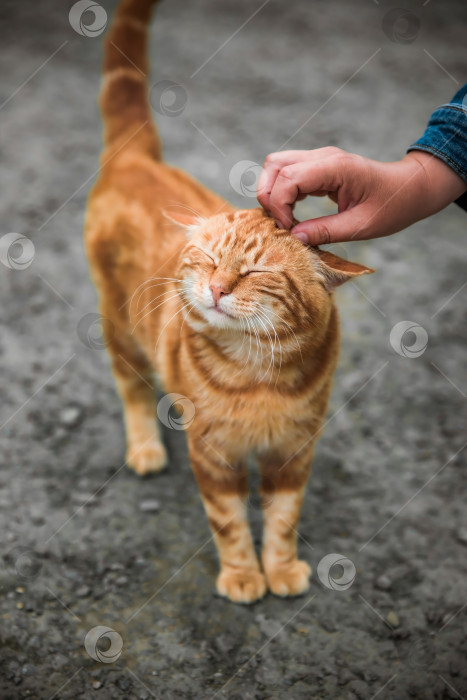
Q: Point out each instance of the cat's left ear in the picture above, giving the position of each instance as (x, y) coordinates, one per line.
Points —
(190, 222)
(336, 270)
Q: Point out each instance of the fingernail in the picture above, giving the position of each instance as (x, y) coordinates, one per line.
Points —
(301, 236)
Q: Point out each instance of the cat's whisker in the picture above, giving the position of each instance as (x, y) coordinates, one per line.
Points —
(271, 361)
(249, 333)
(165, 326)
(159, 284)
(276, 340)
(148, 288)
(267, 321)
(273, 348)
(142, 287)
(286, 324)
(182, 308)
(185, 307)
(155, 300)
(164, 280)
(244, 322)
(154, 309)
(185, 207)
(246, 334)
(169, 291)
(258, 342)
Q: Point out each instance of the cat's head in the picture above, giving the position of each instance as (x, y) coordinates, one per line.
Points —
(240, 271)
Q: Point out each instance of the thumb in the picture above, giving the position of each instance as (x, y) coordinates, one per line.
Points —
(335, 228)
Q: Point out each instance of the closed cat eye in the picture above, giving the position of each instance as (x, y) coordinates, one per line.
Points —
(251, 272)
(208, 255)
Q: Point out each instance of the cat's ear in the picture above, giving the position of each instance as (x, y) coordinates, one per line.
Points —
(336, 270)
(190, 222)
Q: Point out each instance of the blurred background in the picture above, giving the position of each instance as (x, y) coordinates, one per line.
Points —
(106, 579)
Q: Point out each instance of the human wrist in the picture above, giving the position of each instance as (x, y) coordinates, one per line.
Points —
(433, 179)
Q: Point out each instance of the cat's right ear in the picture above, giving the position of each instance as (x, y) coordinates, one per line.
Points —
(189, 222)
(336, 270)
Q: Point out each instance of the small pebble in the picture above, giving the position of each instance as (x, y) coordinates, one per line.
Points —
(392, 619)
(121, 581)
(70, 416)
(383, 582)
(19, 589)
(28, 670)
(149, 506)
(20, 606)
(83, 591)
(96, 685)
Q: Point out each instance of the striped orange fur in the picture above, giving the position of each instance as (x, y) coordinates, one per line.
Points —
(222, 307)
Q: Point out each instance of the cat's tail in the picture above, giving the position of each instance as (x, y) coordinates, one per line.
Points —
(124, 101)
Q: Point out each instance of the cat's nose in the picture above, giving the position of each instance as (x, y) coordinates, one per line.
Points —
(218, 290)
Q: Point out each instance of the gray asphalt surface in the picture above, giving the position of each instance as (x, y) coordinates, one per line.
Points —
(86, 543)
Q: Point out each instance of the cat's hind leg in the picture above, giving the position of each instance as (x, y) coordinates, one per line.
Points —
(134, 378)
(112, 249)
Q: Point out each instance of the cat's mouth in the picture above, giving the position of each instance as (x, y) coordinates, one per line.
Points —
(220, 311)
(216, 316)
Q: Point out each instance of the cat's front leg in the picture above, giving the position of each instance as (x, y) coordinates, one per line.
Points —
(223, 484)
(283, 487)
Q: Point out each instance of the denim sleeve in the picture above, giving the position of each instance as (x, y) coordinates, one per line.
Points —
(446, 137)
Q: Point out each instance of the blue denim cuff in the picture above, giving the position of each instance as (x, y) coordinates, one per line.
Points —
(446, 137)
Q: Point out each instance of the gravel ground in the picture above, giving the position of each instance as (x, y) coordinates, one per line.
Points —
(87, 544)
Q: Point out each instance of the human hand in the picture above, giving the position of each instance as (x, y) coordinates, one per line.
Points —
(374, 199)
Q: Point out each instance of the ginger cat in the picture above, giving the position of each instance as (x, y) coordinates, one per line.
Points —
(226, 310)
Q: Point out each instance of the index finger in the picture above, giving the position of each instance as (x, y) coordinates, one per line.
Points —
(301, 178)
(272, 165)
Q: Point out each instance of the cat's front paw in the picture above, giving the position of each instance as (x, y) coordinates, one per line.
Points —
(289, 579)
(241, 586)
(148, 458)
